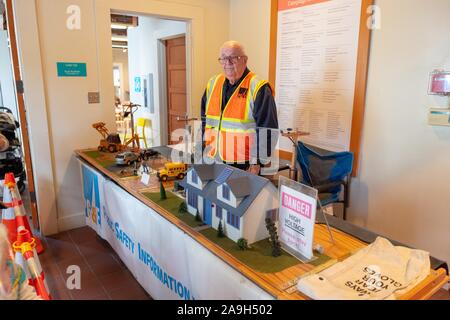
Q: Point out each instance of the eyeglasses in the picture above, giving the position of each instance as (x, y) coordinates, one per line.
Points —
(231, 60)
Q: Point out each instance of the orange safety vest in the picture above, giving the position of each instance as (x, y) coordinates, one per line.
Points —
(230, 136)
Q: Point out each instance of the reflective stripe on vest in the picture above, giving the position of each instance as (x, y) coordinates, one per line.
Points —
(233, 132)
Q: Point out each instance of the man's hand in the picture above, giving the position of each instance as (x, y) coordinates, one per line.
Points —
(254, 168)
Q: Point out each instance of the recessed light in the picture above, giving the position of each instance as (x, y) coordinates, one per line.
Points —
(123, 39)
(119, 26)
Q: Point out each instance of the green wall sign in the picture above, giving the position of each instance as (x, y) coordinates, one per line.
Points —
(72, 69)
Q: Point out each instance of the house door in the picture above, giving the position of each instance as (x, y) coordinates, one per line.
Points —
(176, 83)
(207, 212)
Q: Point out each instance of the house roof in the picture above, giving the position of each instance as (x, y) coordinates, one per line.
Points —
(242, 183)
(240, 186)
(205, 172)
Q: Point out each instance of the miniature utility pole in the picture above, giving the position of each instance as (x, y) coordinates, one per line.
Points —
(187, 132)
(130, 110)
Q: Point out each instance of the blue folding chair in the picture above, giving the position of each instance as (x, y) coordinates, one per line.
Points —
(327, 171)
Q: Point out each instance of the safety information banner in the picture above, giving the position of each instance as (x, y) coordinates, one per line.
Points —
(167, 262)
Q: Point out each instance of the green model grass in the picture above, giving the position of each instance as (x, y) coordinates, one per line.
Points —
(172, 204)
(110, 164)
(100, 158)
(259, 256)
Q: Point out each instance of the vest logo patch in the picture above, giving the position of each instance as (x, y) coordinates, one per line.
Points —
(242, 93)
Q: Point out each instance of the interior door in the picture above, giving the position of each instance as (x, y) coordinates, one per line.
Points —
(176, 83)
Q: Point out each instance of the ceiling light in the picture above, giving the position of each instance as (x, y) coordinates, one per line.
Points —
(123, 39)
(119, 26)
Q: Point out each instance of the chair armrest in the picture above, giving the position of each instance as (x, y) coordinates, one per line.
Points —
(326, 186)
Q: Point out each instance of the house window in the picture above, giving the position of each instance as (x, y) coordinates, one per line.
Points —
(192, 199)
(218, 212)
(233, 220)
(194, 177)
(226, 192)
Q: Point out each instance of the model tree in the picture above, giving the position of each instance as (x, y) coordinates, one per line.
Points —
(198, 217)
(276, 245)
(242, 244)
(182, 208)
(162, 191)
(220, 233)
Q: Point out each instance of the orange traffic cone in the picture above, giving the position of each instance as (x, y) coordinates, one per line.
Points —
(26, 246)
(8, 216)
(19, 211)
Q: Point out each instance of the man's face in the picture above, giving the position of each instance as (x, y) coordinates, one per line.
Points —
(234, 64)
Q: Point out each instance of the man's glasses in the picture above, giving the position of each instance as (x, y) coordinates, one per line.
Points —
(231, 60)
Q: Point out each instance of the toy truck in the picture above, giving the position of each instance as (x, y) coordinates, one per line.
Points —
(175, 170)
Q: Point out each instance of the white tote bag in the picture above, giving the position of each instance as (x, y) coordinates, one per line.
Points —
(379, 271)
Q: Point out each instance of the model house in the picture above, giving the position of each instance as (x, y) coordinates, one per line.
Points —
(235, 197)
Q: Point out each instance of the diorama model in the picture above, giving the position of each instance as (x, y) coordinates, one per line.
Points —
(235, 199)
(175, 170)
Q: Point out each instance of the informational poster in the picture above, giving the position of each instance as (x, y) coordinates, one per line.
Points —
(317, 52)
(297, 216)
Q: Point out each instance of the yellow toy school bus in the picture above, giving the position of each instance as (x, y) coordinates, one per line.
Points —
(172, 170)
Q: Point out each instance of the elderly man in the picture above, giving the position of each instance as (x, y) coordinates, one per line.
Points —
(236, 106)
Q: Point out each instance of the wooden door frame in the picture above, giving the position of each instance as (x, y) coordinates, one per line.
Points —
(162, 75)
(21, 111)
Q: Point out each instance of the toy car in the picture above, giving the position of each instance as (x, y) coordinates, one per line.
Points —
(172, 170)
(148, 153)
(127, 158)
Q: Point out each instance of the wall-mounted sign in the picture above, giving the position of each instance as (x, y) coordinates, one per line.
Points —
(297, 216)
(137, 84)
(148, 92)
(72, 69)
(93, 97)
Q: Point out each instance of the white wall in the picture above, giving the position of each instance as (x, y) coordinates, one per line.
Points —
(143, 59)
(39, 130)
(404, 175)
(405, 165)
(121, 58)
(8, 93)
(61, 119)
(250, 25)
(254, 224)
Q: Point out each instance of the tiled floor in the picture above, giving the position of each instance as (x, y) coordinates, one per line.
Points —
(103, 274)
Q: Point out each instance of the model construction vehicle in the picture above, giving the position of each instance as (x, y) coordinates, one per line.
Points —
(111, 142)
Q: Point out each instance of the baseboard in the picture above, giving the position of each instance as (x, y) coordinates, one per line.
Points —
(71, 222)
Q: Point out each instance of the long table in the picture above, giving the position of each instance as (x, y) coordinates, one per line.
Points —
(173, 261)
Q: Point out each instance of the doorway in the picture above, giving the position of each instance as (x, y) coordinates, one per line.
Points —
(176, 84)
(137, 63)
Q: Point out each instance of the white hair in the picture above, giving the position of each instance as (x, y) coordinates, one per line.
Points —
(234, 44)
